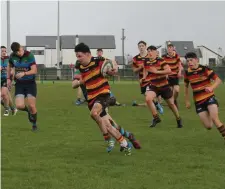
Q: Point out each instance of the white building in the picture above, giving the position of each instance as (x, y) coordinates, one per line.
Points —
(209, 57)
(44, 47)
(206, 56)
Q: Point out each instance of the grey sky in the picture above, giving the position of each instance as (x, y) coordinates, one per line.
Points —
(154, 22)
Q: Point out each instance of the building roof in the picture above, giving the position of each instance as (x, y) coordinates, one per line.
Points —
(93, 41)
(198, 52)
(211, 50)
(41, 41)
(182, 47)
(68, 41)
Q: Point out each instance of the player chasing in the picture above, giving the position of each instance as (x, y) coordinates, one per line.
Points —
(99, 53)
(200, 77)
(155, 74)
(25, 70)
(137, 66)
(6, 101)
(98, 92)
(173, 60)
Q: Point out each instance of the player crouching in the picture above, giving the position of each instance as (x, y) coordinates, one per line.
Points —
(199, 77)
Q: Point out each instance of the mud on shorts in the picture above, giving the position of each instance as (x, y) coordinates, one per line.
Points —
(102, 99)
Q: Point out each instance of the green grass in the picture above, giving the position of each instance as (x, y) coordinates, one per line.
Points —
(69, 152)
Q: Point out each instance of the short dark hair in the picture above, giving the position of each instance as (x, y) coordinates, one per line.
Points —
(169, 44)
(142, 42)
(81, 47)
(3, 47)
(99, 50)
(191, 55)
(15, 46)
(152, 47)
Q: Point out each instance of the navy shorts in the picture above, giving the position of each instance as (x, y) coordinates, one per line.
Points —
(173, 81)
(143, 90)
(102, 99)
(26, 89)
(204, 106)
(166, 92)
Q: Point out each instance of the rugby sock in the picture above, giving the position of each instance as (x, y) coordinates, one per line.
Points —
(6, 107)
(156, 116)
(122, 131)
(156, 103)
(122, 141)
(25, 109)
(106, 136)
(222, 130)
(178, 118)
(2, 103)
(12, 107)
(33, 119)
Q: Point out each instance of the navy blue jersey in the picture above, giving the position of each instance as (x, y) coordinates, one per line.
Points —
(23, 64)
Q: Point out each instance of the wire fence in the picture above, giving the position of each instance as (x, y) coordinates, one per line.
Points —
(50, 74)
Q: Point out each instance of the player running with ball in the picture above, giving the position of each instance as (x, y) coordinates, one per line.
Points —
(98, 92)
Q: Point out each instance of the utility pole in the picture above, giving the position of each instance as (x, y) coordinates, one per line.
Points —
(58, 42)
(8, 28)
(123, 55)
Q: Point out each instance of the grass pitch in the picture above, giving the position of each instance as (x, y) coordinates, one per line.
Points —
(68, 152)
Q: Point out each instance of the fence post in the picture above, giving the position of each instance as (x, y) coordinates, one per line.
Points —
(41, 78)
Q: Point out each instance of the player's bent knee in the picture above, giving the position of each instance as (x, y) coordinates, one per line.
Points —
(149, 99)
(20, 106)
(208, 127)
(170, 103)
(4, 95)
(94, 114)
(32, 107)
(177, 90)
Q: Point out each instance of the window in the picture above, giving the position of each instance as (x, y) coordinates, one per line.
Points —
(37, 52)
(212, 62)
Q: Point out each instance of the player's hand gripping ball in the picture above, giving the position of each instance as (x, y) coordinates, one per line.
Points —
(108, 68)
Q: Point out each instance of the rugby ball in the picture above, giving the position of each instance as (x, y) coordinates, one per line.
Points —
(106, 66)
